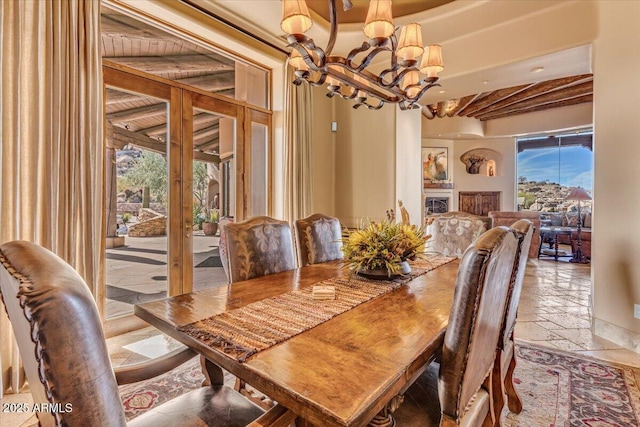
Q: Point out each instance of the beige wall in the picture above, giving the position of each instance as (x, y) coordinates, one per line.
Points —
(504, 180)
(323, 143)
(365, 162)
(408, 163)
(616, 247)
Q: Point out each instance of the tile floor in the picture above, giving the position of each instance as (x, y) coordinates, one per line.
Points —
(554, 311)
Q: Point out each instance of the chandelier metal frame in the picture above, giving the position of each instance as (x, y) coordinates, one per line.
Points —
(385, 87)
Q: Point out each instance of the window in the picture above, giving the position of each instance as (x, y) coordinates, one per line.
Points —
(547, 167)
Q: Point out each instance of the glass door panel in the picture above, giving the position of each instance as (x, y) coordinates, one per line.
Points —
(211, 193)
(137, 200)
(259, 161)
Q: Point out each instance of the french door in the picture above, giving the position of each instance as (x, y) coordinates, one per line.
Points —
(196, 154)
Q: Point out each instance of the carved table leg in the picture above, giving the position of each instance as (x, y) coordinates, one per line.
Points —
(213, 374)
(384, 417)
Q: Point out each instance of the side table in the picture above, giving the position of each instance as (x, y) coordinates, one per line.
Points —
(551, 234)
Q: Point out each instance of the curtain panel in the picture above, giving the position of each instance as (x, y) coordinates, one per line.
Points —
(298, 191)
(51, 141)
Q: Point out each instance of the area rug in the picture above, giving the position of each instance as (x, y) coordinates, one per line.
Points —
(212, 261)
(558, 389)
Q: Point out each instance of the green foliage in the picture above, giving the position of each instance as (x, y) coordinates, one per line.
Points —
(149, 170)
(126, 217)
(200, 183)
(198, 217)
(529, 198)
(214, 216)
(383, 245)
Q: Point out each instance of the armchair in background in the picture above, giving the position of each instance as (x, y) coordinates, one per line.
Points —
(508, 218)
(452, 232)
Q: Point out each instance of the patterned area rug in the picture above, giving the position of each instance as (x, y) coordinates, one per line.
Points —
(557, 390)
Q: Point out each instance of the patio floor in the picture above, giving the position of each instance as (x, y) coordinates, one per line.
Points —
(137, 271)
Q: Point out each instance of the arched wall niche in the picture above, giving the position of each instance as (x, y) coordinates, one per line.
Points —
(482, 161)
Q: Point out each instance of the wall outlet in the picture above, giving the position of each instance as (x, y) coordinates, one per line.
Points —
(636, 311)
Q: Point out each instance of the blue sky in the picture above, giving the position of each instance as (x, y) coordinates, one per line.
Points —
(576, 166)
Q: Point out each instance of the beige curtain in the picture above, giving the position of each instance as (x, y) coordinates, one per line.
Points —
(51, 148)
(297, 149)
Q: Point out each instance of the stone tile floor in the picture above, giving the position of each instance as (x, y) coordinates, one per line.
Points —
(554, 311)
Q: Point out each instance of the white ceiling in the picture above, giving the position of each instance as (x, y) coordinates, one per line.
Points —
(487, 44)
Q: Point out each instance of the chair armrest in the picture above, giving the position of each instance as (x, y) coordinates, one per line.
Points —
(152, 368)
(278, 416)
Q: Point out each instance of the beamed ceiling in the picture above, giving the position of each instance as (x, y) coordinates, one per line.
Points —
(135, 119)
(516, 100)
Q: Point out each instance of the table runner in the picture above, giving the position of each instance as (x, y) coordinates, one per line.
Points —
(242, 332)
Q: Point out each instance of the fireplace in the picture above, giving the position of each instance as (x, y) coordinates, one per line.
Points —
(435, 205)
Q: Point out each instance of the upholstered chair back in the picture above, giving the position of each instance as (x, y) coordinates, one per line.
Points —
(524, 232)
(475, 319)
(318, 239)
(258, 246)
(60, 338)
(452, 232)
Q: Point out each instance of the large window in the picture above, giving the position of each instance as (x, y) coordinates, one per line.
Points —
(547, 167)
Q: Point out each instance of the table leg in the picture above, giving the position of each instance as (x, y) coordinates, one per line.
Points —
(385, 417)
(213, 374)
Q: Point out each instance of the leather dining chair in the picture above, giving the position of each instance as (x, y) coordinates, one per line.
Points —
(459, 391)
(258, 246)
(318, 239)
(64, 353)
(506, 355)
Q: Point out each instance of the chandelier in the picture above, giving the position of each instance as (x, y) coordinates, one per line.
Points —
(413, 70)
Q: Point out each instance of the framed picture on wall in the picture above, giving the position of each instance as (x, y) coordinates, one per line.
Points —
(434, 164)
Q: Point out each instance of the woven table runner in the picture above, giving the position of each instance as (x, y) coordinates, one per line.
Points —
(242, 332)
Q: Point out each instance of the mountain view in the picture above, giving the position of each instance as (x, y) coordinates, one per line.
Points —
(545, 176)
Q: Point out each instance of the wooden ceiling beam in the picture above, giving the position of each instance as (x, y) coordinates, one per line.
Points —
(161, 129)
(173, 63)
(219, 82)
(208, 145)
(119, 138)
(546, 98)
(206, 132)
(563, 103)
(490, 99)
(138, 113)
(535, 90)
(462, 104)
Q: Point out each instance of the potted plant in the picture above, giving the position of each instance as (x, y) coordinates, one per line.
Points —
(382, 249)
(210, 224)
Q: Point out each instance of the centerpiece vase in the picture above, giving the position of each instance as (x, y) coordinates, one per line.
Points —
(383, 273)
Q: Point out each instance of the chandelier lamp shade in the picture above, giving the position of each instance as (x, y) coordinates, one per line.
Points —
(413, 68)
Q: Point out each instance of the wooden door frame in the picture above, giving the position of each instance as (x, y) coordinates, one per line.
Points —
(183, 99)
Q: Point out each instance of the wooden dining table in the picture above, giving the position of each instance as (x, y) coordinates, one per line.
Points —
(347, 371)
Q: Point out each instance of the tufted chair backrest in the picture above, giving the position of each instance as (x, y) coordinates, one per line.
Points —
(60, 338)
(452, 232)
(524, 232)
(258, 246)
(318, 239)
(476, 317)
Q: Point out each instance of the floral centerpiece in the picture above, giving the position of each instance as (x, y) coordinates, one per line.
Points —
(383, 248)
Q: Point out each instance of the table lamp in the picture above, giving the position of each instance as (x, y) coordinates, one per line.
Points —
(577, 193)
